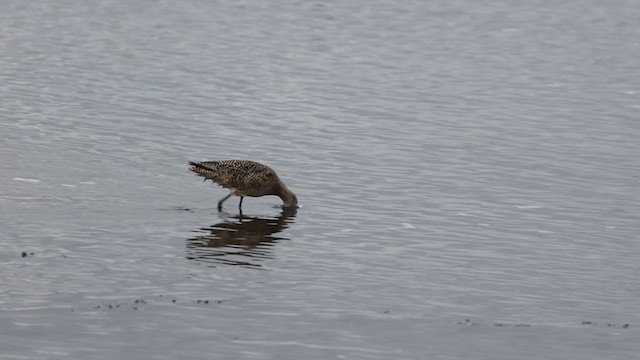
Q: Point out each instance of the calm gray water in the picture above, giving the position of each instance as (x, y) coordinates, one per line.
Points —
(468, 174)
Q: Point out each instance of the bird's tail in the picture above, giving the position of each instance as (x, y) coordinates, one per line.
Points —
(207, 171)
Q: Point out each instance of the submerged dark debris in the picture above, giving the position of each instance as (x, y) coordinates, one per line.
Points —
(137, 303)
(469, 322)
(624, 326)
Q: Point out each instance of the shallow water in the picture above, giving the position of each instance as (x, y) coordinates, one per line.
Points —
(468, 176)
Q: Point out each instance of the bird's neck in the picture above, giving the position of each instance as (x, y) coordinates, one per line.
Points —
(287, 196)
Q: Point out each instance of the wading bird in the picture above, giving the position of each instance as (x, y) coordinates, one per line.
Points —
(244, 178)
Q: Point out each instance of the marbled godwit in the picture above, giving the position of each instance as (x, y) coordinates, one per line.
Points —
(244, 178)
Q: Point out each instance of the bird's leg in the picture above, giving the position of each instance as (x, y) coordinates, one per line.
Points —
(221, 201)
(240, 205)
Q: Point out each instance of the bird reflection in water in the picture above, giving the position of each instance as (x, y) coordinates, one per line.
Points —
(239, 240)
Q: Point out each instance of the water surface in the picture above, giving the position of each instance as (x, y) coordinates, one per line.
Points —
(468, 175)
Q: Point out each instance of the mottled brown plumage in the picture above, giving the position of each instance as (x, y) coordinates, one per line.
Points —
(244, 178)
